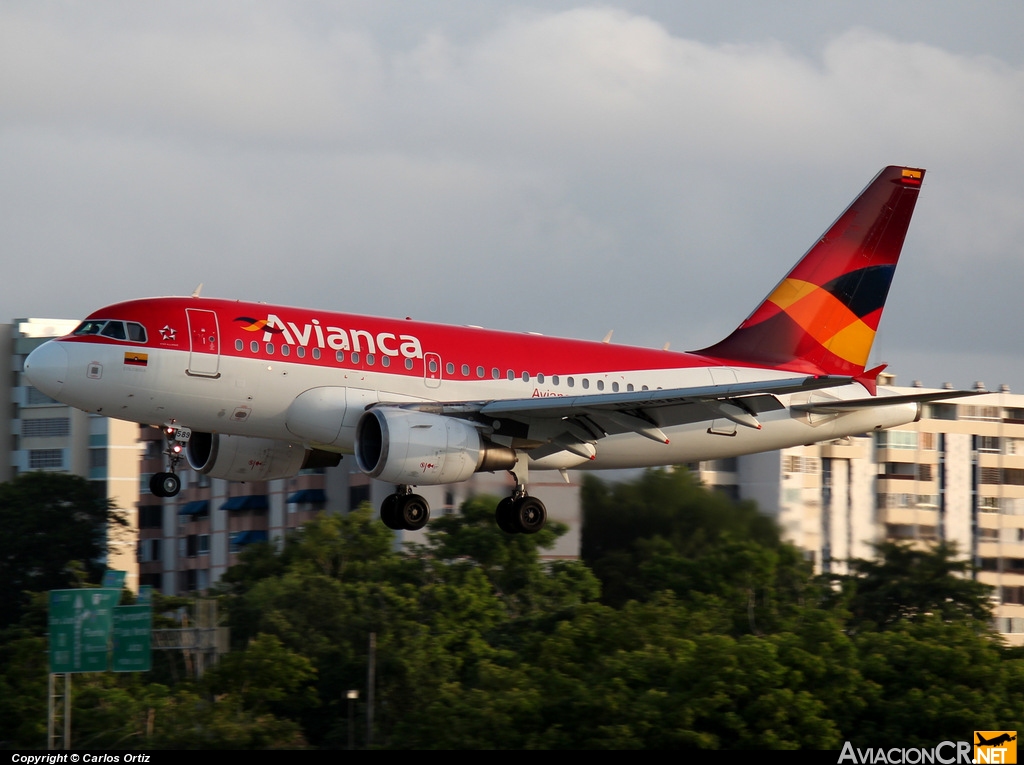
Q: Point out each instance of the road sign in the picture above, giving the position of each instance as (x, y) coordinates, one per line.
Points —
(80, 623)
(113, 580)
(133, 629)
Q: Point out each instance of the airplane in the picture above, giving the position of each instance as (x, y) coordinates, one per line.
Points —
(1002, 738)
(248, 391)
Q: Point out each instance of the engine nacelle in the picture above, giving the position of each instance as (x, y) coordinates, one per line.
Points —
(240, 458)
(409, 447)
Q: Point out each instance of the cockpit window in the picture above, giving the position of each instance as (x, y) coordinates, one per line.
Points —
(116, 330)
(89, 328)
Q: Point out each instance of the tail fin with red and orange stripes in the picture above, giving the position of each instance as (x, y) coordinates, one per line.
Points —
(822, 317)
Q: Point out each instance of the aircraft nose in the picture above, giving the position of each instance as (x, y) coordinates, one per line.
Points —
(47, 368)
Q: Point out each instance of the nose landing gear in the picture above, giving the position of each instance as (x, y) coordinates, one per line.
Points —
(168, 484)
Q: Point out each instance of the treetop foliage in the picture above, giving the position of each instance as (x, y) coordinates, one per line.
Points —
(689, 624)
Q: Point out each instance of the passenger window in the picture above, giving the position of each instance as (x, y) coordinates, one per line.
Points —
(370, 359)
(511, 375)
(300, 352)
(495, 373)
(629, 387)
(526, 377)
(554, 379)
(285, 350)
(316, 353)
(355, 358)
(586, 383)
(385, 361)
(270, 348)
(540, 379)
(408, 363)
(254, 347)
(570, 382)
(239, 345)
(615, 387)
(449, 368)
(465, 370)
(480, 372)
(432, 365)
(600, 384)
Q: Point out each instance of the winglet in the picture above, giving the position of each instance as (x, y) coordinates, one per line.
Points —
(822, 318)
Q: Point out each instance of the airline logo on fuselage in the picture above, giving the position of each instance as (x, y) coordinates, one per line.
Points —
(335, 338)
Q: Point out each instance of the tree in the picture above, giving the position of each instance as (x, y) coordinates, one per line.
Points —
(905, 583)
(54, 525)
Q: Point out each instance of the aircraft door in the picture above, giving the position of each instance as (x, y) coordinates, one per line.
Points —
(204, 343)
(432, 370)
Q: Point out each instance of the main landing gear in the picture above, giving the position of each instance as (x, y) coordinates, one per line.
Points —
(521, 514)
(404, 510)
(168, 484)
(518, 514)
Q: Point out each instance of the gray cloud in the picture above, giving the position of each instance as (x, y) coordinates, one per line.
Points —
(563, 171)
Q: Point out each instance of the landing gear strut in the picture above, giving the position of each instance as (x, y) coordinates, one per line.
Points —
(404, 510)
(168, 484)
(520, 513)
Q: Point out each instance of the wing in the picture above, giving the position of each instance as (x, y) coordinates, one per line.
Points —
(839, 407)
(574, 423)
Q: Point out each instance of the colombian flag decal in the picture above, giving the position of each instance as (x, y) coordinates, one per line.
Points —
(133, 359)
(911, 177)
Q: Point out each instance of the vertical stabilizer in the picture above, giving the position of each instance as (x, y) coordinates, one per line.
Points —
(823, 316)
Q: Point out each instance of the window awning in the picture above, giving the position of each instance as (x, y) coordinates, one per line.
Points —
(250, 502)
(307, 496)
(198, 507)
(243, 538)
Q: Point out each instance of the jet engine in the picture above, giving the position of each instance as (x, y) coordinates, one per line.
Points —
(240, 458)
(408, 447)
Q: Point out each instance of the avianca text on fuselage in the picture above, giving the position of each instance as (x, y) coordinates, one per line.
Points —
(335, 338)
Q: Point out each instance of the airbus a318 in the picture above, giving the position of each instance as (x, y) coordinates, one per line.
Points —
(248, 391)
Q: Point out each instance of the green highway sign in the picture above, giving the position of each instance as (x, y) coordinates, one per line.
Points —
(113, 580)
(80, 623)
(133, 629)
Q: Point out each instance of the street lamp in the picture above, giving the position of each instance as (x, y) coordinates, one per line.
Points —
(352, 696)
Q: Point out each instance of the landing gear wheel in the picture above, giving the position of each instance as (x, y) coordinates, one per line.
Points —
(504, 518)
(529, 514)
(413, 511)
(389, 512)
(165, 484)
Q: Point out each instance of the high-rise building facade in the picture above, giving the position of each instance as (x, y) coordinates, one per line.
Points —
(43, 434)
(956, 475)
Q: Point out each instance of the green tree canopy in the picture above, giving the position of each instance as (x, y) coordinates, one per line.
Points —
(907, 583)
(55, 525)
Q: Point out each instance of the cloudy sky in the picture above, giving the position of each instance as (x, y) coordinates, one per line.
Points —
(648, 167)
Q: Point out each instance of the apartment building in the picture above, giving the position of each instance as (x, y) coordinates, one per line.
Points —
(43, 434)
(956, 475)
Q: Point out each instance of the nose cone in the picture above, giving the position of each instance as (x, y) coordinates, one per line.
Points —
(47, 368)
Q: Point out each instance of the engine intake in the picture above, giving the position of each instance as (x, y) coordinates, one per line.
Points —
(240, 458)
(410, 447)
